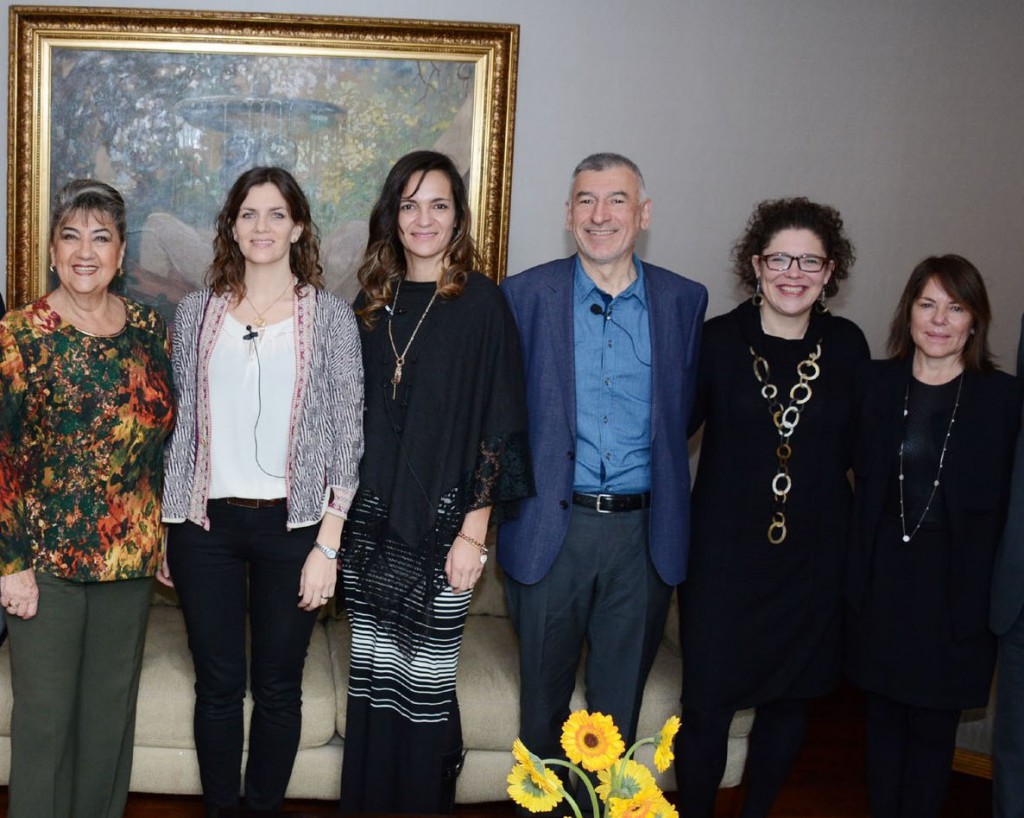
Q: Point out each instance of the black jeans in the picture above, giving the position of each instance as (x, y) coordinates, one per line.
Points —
(246, 563)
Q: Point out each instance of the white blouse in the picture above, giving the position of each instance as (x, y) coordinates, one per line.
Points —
(251, 387)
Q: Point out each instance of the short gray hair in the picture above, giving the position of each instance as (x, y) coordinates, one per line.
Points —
(607, 161)
(88, 196)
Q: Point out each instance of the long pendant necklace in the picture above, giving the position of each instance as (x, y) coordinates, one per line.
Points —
(396, 378)
(785, 420)
(260, 321)
(942, 456)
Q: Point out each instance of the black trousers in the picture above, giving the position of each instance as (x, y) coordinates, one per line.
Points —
(247, 563)
(1008, 741)
(702, 751)
(602, 590)
(910, 752)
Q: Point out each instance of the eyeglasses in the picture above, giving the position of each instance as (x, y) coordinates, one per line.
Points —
(780, 262)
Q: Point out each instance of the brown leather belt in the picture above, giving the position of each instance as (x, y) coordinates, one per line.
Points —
(246, 502)
(611, 503)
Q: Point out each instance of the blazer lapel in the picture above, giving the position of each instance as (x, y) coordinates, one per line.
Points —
(559, 320)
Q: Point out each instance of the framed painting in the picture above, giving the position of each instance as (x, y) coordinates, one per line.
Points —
(170, 106)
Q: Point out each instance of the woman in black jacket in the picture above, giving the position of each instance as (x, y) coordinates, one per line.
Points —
(932, 464)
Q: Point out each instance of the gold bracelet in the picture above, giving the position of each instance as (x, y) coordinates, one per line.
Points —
(478, 544)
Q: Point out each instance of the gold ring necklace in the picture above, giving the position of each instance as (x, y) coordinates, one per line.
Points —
(785, 419)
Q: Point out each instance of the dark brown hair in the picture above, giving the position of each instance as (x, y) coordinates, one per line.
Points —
(772, 216)
(962, 283)
(384, 259)
(227, 271)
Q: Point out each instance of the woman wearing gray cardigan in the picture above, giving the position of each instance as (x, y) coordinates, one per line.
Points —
(260, 473)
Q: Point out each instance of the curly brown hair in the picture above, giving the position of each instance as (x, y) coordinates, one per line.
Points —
(774, 215)
(384, 259)
(226, 272)
(964, 284)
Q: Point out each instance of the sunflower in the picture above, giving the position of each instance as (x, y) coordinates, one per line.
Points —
(649, 803)
(663, 754)
(624, 779)
(591, 740)
(542, 777)
(525, 791)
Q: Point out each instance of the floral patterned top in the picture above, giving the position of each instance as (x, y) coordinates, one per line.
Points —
(83, 420)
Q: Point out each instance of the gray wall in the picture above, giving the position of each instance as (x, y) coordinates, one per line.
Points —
(907, 116)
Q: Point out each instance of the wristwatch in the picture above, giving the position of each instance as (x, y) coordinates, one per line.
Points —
(330, 553)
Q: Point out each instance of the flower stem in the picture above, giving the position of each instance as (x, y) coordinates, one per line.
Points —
(580, 774)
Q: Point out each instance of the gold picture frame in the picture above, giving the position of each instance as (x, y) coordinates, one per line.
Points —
(168, 106)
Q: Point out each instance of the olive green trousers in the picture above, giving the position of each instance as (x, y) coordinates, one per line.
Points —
(75, 670)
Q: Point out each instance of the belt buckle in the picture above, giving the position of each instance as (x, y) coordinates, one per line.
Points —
(597, 503)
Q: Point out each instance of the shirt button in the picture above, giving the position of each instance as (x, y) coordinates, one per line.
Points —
(571, 455)
(607, 381)
(609, 344)
(563, 503)
(607, 455)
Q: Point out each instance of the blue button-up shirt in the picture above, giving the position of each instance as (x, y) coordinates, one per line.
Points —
(613, 386)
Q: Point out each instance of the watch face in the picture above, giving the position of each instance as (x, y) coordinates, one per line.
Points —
(330, 553)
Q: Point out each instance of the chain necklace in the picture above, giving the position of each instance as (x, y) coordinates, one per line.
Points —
(785, 419)
(396, 378)
(260, 321)
(942, 456)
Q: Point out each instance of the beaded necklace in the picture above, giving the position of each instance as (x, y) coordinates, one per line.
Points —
(942, 457)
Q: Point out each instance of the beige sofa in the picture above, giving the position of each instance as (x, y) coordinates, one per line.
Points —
(165, 760)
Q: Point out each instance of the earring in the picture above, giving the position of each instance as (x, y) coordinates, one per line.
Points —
(757, 299)
(820, 305)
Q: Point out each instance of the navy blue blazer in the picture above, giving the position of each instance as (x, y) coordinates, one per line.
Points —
(1008, 577)
(541, 301)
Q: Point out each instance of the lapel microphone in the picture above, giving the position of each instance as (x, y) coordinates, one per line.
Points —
(250, 333)
(598, 311)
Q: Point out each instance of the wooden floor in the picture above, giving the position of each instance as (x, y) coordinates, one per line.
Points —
(827, 781)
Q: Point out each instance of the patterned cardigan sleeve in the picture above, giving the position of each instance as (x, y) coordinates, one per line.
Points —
(345, 388)
(180, 452)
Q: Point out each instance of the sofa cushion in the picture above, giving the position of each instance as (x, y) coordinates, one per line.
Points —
(166, 697)
(6, 696)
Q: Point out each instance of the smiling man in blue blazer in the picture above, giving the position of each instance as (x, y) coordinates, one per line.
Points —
(610, 349)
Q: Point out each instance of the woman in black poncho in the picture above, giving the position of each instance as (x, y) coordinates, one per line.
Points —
(760, 608)
(445, 444)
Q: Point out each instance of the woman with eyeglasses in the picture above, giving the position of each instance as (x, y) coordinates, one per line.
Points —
(934, 451)
(760, 608)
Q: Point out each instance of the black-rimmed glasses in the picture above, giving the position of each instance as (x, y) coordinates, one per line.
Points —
(780, 262)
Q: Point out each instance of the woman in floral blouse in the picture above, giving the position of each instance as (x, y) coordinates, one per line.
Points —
(85, 406)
